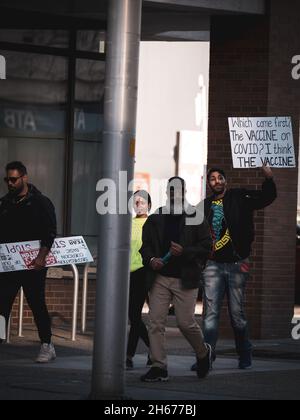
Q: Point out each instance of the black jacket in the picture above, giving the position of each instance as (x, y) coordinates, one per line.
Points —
(239, 207)
(32, 219)
(195, 240)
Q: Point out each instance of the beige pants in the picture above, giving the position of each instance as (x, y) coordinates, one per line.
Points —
(164, 291)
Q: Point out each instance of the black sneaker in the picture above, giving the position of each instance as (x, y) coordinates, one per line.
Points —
(204, 365)
(155, 374)
(213, 359)
(129, 364)
(245, 360)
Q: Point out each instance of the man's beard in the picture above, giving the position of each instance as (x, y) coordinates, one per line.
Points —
(14, 192)
(219, 191)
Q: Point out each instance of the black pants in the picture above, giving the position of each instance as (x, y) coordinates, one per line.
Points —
(137, 296)
(33, 283)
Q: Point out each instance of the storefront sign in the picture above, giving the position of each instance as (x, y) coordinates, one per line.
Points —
(65, 251)
(262, 141)
(2, 67)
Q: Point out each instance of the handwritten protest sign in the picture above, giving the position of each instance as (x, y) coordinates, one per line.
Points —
(65, 251)
(262, 141)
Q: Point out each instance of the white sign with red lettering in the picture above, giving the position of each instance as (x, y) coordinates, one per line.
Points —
(65, 251)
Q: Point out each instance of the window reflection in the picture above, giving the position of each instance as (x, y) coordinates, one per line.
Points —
(32, 120)
(89, 99)
(33, 111)
(93, 41)
(46, 38)
(87, 146)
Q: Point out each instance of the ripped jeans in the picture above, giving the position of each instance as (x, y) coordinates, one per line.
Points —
(220, 279)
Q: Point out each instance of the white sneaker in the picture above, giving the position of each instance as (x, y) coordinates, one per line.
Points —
(47, 354)
(2, 328)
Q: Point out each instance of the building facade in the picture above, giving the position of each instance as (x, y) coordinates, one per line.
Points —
(51, 116)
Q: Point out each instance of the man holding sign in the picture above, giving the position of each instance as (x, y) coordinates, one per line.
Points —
(230, 214)
(27, 215)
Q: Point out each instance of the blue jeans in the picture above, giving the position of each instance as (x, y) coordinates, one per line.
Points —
(220, 279)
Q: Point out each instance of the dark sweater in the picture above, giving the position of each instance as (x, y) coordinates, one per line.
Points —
(31, 219)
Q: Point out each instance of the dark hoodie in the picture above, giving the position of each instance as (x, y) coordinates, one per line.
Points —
(31, 219)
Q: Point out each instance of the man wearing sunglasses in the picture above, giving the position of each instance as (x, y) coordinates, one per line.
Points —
(27, 215)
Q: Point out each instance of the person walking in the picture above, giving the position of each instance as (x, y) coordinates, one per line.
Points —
(174, 253)
(138, 286)
(27, 215)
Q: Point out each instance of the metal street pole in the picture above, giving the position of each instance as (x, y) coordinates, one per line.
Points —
(123, 40)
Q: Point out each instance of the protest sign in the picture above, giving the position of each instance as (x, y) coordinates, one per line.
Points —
(65, 251)
(2, 67)
(262, 141)
(2, 328)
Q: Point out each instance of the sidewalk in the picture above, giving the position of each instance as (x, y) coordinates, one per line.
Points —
(276, 372)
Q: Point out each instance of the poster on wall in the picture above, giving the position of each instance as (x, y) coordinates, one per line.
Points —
(262, 141)
(65, 251)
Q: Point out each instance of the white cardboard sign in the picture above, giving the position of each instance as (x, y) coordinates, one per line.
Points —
(65, 251)
(262, 141)
(2, 328)
(2, 67)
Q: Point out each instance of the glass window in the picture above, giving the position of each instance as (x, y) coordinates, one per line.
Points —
(33, 96)
(93, 41)
(45, 167)
(32, 120)
(87, 147)
(86, 173)
(89, 100)
(46, 38)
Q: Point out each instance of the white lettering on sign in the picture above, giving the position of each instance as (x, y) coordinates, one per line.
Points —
(296, 329)
(65, 251)
(262, 141)
(296, 68)
(19, 120)
(79, 119)
(2, 67)
(2, 328)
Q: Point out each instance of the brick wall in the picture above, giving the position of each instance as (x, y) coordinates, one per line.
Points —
(250, 75)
